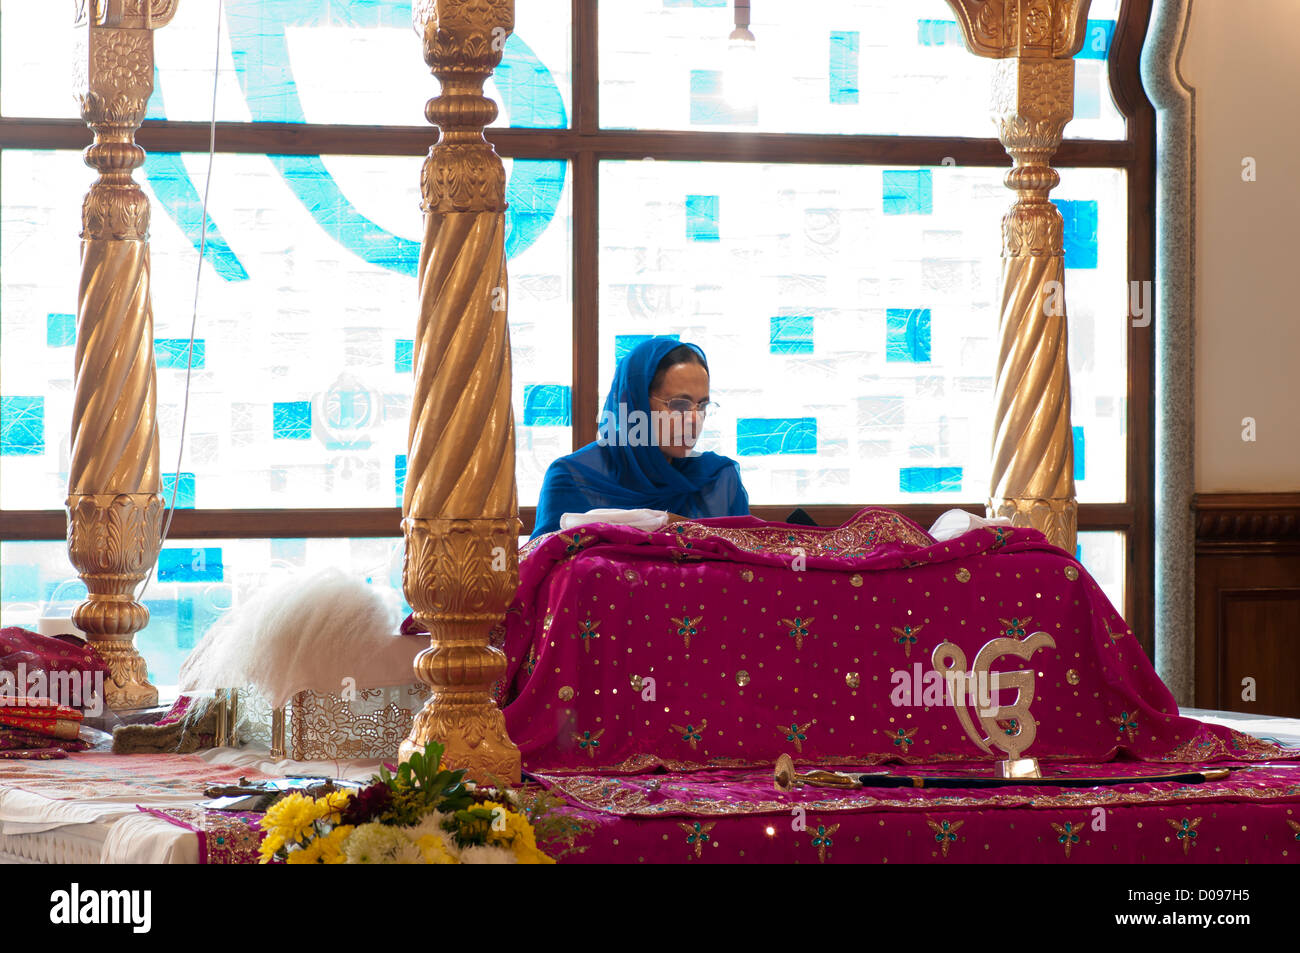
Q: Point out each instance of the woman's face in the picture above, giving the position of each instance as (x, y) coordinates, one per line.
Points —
(677, 433)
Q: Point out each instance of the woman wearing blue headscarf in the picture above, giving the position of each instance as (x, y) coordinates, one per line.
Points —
(643, 457)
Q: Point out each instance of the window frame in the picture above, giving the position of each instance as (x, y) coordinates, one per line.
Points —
(585, 144)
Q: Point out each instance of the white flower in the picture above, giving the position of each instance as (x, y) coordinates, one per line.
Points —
(407, 853)
(376, 843)
(487, 855)
(431, 823)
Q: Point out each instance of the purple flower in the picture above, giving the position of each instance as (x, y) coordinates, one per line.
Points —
(368, 805)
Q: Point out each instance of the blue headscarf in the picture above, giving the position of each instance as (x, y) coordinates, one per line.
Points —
(621, 473)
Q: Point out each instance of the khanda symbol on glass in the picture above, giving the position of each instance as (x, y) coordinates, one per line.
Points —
(950, 661)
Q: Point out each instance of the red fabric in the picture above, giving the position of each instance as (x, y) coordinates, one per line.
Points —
(63, 653)
(725, 643)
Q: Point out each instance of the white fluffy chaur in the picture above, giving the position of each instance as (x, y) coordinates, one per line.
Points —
(310, 631)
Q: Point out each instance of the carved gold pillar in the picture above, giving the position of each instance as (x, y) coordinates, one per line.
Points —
(114, 507)
(1033, 98)
(460, 510)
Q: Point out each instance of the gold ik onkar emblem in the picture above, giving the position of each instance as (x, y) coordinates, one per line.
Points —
(950, 661)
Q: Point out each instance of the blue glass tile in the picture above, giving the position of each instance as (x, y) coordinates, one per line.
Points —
(792, 334)
(702, 218)
(532, 198)
(399, 476)
(624, 343)
(291, 420)
(546, 405)
(22, 426)
(184, 491)
(929, 479)
(844, 67)
(1097, 39)
(403, 356)
(907, 335)
(184, 564)
(1080, 455)
(769, 435)
(60, 330)
(291, 551)
(709, 106)
(1080, 221)
(20, 582)
(1087, 99)
(179, 198)
(173, 352)
(938, 33)
(528, 90)
(907, 192)
(185, 622)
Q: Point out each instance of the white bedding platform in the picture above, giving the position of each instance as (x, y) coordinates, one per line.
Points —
(39, 830)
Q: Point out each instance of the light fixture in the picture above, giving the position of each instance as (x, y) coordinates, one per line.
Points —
(740, 81)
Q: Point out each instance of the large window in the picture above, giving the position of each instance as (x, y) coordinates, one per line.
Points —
(818, 208)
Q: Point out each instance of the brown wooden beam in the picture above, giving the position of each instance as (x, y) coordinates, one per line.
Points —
(36, 525)
(670, 145)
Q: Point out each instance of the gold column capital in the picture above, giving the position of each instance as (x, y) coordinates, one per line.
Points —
(1029, 29)
(463, 43)
(130, 14)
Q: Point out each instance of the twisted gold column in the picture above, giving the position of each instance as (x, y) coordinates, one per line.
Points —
(460, 510)
(1033, 99)
(114, 507)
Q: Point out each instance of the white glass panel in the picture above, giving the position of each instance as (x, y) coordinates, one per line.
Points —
(882, 67)
(1102, 554)
(345, 61)
(850, 317)
(302, 368)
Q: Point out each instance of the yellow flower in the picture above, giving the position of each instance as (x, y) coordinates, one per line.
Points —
(433, 851)
(499, 832)
(333, 805)
(270, 844)
(306, 855)
(331, 845)
(291, 818)
(516, 834)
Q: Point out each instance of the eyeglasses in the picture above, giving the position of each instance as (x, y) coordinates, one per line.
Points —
(681, 405)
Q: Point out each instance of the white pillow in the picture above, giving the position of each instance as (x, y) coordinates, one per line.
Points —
(638, 519)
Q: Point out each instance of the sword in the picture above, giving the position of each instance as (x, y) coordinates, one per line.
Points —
(786, 778)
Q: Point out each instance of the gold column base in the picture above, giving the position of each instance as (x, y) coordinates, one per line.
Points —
(458, 577)
(113, 539)
(1056, 519)
(472, 731)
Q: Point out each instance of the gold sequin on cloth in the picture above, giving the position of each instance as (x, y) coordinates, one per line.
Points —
(867, 529)
(607, 795)
(225, 839)
(742, 678)
(1072, 676)
(1071, 573)
(963, 575)
(1204, 746)
(852, 679)
(566, 693)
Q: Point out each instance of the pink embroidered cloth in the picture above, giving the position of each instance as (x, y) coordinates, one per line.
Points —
(724, 643)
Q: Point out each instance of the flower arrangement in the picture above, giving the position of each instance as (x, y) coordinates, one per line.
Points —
(419, 814)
